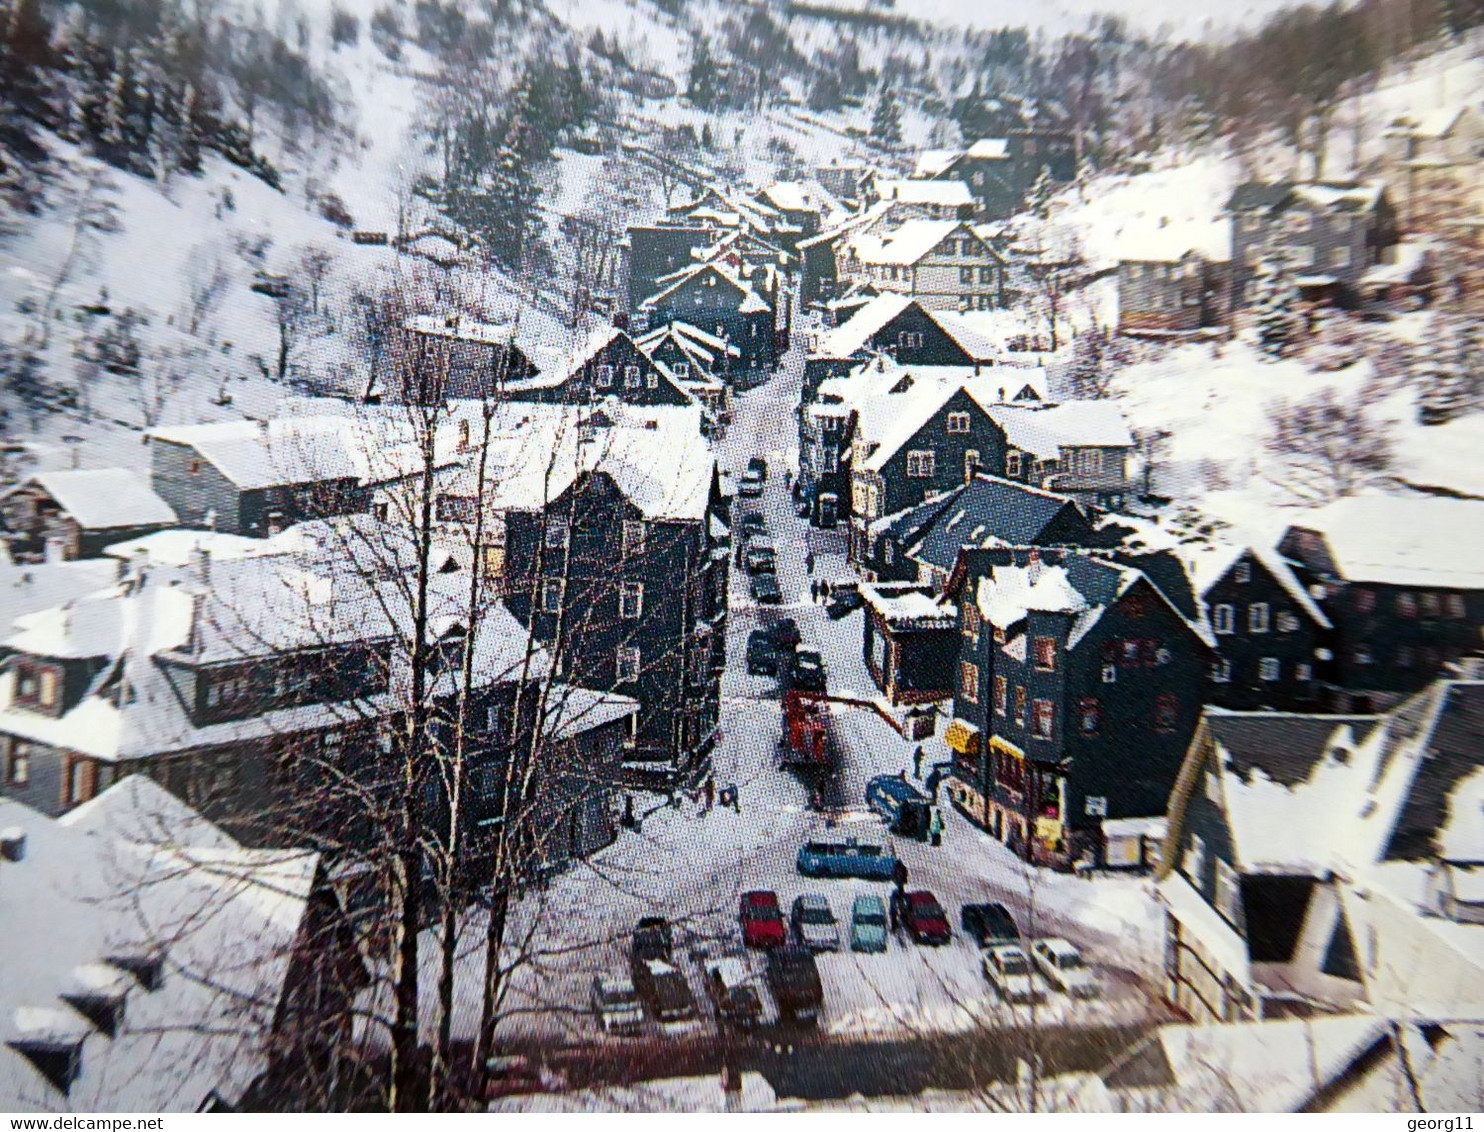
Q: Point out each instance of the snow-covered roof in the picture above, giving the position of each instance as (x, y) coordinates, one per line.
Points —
(461, 328)
(1428, 123)
(135, 872)
(853, 335)
(572, 710)
(935, 162)
(944, 194)
(990, 149)
(179, 547)
(1411, 540)
(1045, 429)
(368, 448)
(1166, 242)
(908, 606)
(909, 243)
(1411, 257)
(29, 588)
(105, 498)
(750, 300)
(1340, 196)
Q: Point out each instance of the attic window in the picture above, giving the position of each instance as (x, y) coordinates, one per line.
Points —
(147, 966)
(58, 1061)
(605, 377)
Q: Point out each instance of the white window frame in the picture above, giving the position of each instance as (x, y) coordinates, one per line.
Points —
(630, 600)
(1228, 886)
(1221, 671)
(1224, 620)
(631, 377)
(629, 664)
(605, 377)
(634, 534)
(551, 595)
(1258, 617)
(1194, 859)
(1012, 465)
(1269, 669)
(958, 424)
(921, 464)
(558, 532)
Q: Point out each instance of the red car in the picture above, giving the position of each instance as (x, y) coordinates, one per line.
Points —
(923, 917)
(762, 920)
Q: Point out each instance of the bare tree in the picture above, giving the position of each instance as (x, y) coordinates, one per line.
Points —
(206, 283)
(1326, 446)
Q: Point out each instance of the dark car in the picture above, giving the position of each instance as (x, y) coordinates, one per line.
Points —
(922, 916)
(664, 990)
(653, 939)
(806, 671)
(758, 466)
(760, 557)
(988, 925)
(765, 590)
(734, 997)
(785, 633)
(762, 654)
(762, 920)
(753, 525)
(793, 977)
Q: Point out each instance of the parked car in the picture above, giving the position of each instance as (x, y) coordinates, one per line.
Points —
(904, 808)
(762, 920)
(765, 589)
(845, 598)
(868, 924)
(664, 990)
(988, 925)
(616, 1004)
(760, 557)
(1009, 971)
(846, 859)
(733, 996)
(1063, 967)
(759, 466)
(653, 939)
(814, 925)
(762, 654)
(793, 977)
(753, 524)
(750, 486)
(786, 633)
(511, 1076)
(806, 671)
(922, 916)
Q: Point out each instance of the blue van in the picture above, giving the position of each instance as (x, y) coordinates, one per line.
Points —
(905, 809)
(849, 859)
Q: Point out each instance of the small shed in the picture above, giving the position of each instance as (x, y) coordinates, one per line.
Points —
(909, 643)
(1133, 843)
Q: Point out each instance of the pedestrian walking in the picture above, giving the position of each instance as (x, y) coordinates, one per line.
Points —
(710, 793)
(917, 763)
(809, 562)
(935, 826)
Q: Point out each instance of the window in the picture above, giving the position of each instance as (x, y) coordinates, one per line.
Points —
(1090, 461)
(1195, 860)
(556, 534)
(46, 694)
(1221, 672)
(1340, 257)
(971, 464)
(633, 537)
(966, 275)
(1223, 619)
(1287, 622)
(1406, 605)
(82, 776)
(1257, 617)
(605, 377)
(1020, 704)
(1300, 256)
(1110, 673)
(18, 773)
(958, 423)
(1131, 652)
(652, 379)
(1298, 221)
(1365, 601)
(909, 339)
(969, 681)
(1165, 709)
(628, 663)
(1089, 716)
(972, 618)
(1243, 573)
(551, 597)
(1001, 695)
(921, 465)
(1044, 654)
(1227, 888)
(1303, 673)
(1044, 713)
(1361, 653)
(1012, 465)
(681, 370)
(630, 600)
(1455, 606)
(1269, 668)
(631, 377)
(1430, 604)
(986, 275)
(456, 508)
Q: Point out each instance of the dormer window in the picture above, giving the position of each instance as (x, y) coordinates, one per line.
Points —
(605, 377)
(51, 1039)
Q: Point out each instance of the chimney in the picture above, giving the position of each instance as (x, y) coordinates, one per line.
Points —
(1033, 565)
(56, 549)
(12, 843)
(201, 564)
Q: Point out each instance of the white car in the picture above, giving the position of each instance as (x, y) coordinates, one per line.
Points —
(616, 1004)
(814, 924)
(1062, 965)
(1008, 969)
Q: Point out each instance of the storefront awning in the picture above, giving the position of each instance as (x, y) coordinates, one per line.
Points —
(962, 737)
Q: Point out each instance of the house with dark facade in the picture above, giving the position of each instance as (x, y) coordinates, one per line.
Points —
(1080, 684)
(922, 544)
(909, 642)
(743, 309)
(945, 265)
(803, 208)
(657, 250)
(999, 171)
(1321, 863)
(1174, 279)
(255, 478)
(615, 559)
(77, 513)
(1324, 234)
(438, 358)
(1399, 578)
(1079, 449)
(931, 200)
(700, 363)
(608, 363)
(1270, 632)
(912, 445)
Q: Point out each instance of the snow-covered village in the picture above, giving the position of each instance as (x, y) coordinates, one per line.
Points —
(741, 556)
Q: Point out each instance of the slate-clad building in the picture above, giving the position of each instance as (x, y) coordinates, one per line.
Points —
(78, 513)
